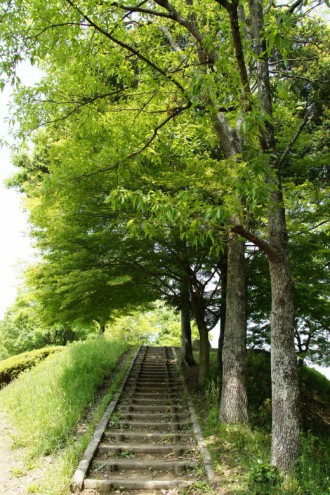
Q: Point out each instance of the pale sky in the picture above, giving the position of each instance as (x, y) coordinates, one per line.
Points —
(15, 246)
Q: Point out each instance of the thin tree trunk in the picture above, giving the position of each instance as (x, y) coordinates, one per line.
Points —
(233, 397)
(204, 355)
(186, 345)
(222, 313)
(204, 345)
(101, 328)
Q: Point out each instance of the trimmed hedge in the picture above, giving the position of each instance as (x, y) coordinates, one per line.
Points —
(11, 367)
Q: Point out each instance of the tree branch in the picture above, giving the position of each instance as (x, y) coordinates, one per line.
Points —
(296, 4)
(295, 137)
(232, 9)
(175, 16)
(174, 114)
(125, 46)
(132, 8)
(265, 246)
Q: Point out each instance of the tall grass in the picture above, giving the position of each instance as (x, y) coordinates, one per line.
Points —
(57, 478)
(46, 403)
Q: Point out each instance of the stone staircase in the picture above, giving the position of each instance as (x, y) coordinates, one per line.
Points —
(148, 446)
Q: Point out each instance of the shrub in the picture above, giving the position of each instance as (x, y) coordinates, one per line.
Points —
(11, 367)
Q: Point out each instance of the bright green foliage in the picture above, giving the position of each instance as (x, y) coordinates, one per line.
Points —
(22, 330)
(130, 149)
(10, 368)
(61, 387)
(160, 325)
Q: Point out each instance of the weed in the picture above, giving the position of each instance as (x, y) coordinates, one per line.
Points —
(263, 477)
(126, 454)
(199, 488)
(34, 488)
(115, 420)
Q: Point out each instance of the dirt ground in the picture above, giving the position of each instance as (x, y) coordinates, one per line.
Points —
(12, 478)
(15, 479)
(6, 457)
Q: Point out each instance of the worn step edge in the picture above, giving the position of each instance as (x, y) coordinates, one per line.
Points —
(104, 486)
(156, 385)
(161, 449)
(131, 464)
(144, 424)
(152, 395)
(147, 435)
(80, 473)
(146, 400)
(135, 408)
(153, 416)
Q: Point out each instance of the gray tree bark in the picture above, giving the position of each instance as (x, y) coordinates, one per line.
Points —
(233, 407)
(285, 387)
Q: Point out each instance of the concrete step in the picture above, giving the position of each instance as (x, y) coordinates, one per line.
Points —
(143, 400)
(167, 426)
(178, 467)
(141, 393)
(106, 486)
(147, 437)
(137, 408)
(118, 448)
(153, 416)
(148, 445)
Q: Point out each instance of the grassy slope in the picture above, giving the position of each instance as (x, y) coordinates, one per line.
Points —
(47, 406)
(241, 453)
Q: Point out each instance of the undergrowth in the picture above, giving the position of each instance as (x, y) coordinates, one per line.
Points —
(241, 452)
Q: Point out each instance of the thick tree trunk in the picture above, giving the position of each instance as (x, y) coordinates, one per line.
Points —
(233, 397)
(285, 387)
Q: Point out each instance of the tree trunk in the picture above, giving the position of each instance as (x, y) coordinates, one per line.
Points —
(204, 355)
(285, 387)
(222, 312)
(233, 397)
(187, 357)
(101, 327)
(204, 345)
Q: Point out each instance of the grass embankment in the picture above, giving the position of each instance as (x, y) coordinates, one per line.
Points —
(48, 404)
(241, 453)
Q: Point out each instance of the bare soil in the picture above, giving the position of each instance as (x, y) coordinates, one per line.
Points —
(14, 478)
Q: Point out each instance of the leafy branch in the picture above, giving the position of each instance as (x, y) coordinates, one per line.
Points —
(127, 47)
